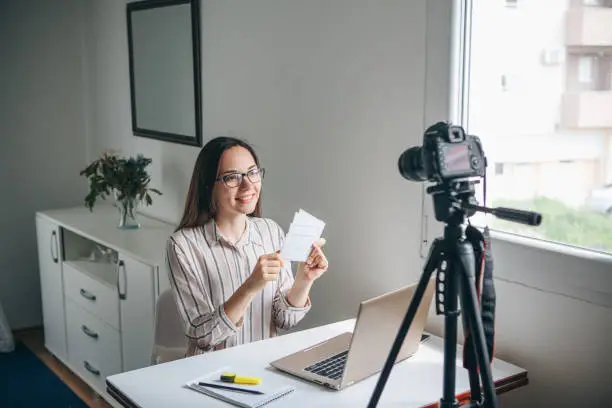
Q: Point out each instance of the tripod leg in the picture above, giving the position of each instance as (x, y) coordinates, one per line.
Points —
(450, 336)
(430, 266)
(475, 389)
(469, 305)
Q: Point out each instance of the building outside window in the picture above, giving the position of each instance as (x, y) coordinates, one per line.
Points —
(540, 98)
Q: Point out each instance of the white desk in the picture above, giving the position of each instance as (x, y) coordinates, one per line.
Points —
(415, 382)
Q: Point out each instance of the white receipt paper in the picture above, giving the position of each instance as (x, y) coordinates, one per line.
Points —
(304, 230)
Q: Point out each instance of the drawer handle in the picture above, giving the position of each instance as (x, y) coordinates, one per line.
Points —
(54, 244)
(88, 295)
(89, 332)
(121, 267)
(90, 368)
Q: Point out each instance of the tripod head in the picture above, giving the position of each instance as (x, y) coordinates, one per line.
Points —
(455, 201)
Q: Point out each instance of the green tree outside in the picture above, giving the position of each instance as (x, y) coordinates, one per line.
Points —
(560, 223)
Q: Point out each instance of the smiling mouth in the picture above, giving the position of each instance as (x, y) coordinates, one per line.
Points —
(245, 199)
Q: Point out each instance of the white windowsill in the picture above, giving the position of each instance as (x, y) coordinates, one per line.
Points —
(553, 268)
(565, 249)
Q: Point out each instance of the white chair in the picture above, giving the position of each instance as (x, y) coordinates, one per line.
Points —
(170, 342)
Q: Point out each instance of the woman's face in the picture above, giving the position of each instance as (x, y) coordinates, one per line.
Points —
(238, 194)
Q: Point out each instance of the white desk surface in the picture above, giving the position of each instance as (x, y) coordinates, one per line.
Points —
(415, 382)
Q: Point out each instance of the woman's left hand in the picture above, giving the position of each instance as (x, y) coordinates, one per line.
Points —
(316, 263)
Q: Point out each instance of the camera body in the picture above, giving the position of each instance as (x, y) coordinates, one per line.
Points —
(448, 153)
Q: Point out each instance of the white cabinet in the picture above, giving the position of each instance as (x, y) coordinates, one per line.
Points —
(99, 286)
(51, 285)
(137, 296)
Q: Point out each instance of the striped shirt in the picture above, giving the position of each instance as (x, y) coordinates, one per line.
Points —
(205, 270)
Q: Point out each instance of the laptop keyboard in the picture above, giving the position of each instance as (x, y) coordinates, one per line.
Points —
(332, 367)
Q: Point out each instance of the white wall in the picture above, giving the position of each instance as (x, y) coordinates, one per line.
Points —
(42, 137)
(555, 319)
(330, 93)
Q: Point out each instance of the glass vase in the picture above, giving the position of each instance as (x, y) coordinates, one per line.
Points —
(128, 215)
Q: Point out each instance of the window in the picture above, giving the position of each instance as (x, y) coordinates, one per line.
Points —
(546, 128)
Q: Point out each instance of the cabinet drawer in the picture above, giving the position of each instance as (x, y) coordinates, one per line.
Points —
(94, 347)
(91, 294)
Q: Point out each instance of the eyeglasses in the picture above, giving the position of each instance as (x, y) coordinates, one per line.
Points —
(234, 180)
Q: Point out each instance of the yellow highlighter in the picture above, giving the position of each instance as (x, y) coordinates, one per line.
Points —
(239, 379)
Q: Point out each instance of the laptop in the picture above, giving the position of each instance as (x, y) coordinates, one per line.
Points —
(350, 357)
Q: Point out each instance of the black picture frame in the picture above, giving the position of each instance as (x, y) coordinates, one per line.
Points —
(139, 130)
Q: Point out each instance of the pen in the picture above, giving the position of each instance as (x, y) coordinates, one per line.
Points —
(228, 387)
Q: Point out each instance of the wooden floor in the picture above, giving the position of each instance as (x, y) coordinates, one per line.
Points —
(33, 338)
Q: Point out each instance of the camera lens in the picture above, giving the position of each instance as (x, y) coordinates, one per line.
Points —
(411, 165)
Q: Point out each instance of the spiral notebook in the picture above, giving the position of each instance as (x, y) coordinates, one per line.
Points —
(273, 387)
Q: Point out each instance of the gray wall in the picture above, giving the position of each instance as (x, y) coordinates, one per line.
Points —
(330, 93)
(42, 137)
(554, 318)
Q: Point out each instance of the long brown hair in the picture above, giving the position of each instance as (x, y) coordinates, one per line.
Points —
(199, 203)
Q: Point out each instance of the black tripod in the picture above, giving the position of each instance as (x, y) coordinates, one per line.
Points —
(453, 257)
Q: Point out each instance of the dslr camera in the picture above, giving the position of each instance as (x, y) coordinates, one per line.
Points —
(447, 154)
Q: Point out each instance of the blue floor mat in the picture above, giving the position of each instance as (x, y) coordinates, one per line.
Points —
(25, 381)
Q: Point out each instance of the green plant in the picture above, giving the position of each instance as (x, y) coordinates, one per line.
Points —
(124, 178)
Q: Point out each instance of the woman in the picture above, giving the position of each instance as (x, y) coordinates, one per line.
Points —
(229, 281)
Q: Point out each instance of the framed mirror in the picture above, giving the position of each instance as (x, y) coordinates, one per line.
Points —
(164, 56)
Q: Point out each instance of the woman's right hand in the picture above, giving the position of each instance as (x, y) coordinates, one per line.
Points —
(267, 269)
